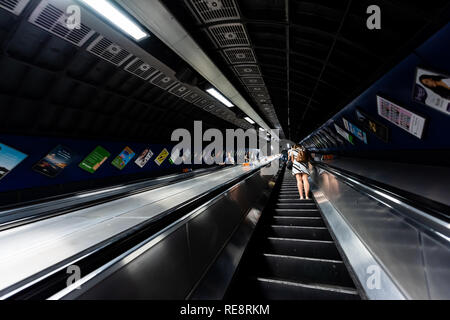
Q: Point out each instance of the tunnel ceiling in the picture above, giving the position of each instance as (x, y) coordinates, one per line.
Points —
(314, 56)
(57, 84)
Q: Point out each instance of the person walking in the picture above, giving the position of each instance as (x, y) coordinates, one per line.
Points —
(300, 158)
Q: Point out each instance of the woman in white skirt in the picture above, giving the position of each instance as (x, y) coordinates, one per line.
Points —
(300, 169)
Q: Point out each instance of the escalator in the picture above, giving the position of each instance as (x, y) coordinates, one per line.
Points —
(292, 254)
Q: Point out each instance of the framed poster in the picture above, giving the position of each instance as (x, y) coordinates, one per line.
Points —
(378, 129)
(94, 160)
(144, 157)
(123, 158)
(357, 132)
(401, 117)
(347, 136)
(9, 159)
(162, 156)
(54, 162)
(432, 89)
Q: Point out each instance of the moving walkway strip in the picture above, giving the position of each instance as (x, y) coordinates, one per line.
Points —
(428, 215)
(53, 280)
(14, 216)
(292, 255)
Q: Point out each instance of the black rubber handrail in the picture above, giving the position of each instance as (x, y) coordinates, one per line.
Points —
(431, 207)
(51, 207)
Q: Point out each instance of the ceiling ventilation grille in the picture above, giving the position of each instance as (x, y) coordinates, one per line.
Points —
(141, 69)
(202, 103)
(257, 89)
(179, 90)
(253, 81)
(210, 108)
(109, 51)
(230, 35)
(239, 55)
(54, 20)
(191, 97)
(247, 70)
(215, 10)
(163, 81)
(14, 6)
(261, 95)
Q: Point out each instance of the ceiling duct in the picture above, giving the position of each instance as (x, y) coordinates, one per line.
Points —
(141, 69)
(14, 6)
(192, 97)
(247, 70)
(109, 51)
(253, 81)
(239, 55)
(202, 103)
(163, 81)
(179, 90)
(229, 35)
(215, 10)
(54, 20)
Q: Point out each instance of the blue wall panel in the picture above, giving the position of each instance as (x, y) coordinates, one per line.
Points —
(36, 148)
(397, 86)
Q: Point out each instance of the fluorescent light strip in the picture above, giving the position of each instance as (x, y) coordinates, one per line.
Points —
(115, 16)
(248, 119)
(216, 94)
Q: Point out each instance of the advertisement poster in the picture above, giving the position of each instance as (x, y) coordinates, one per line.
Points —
(432, 89)
(54, 162)
(357, 132)
(161, 157)
(9, 159)
(123, 158)
(344, 134)
(144, 157)
(401, 117)
(379, 130)
(94, 160)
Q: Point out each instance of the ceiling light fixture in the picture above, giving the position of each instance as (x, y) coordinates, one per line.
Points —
(248, 119)
(216, 94)
(115, 16)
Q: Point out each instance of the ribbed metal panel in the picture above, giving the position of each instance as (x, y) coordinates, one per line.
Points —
(54, 20)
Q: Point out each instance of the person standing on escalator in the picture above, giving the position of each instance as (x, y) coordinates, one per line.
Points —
(300, 158)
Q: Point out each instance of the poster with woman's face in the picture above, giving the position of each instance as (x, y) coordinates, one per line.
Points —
(432, 89)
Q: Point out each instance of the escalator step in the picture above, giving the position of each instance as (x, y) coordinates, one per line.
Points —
(295, 200)
(302, 248)
(295, 232)
(298, 205)
(298, 221)
(273, 289)
(305, 270)
(297, 212)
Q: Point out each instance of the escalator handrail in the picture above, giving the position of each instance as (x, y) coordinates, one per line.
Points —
(433, 219)
(48, 208)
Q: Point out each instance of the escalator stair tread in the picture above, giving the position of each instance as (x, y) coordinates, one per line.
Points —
(321, 249)
(279, 289)
(298, 221)
(303, 269)
(297, 212)
(299, 232)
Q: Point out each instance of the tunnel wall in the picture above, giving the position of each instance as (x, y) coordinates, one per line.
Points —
(72, 178)
(397, 86)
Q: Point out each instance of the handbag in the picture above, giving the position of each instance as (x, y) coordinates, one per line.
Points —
(289, 165)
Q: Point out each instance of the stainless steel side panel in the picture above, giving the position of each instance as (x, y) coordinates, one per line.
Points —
(169, 266)
(417, 262)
